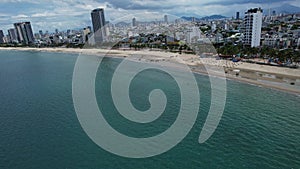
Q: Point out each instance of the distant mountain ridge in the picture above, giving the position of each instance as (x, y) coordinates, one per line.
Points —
(286, 9)
(212, 17)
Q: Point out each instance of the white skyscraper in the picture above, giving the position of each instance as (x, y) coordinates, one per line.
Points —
(213, 26)
(193, 35)
(253, 24)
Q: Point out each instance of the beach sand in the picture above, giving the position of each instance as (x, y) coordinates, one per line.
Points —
(284, 79)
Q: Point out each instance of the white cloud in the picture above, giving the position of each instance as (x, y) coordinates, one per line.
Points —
(19, 1)
(3, 15)
(44, 14)
(295, 3)
(64, 14)
(20, 16)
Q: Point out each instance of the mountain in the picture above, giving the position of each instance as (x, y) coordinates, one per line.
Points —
(286, 9)
(121, 24)
(189, 18)
(212, 17)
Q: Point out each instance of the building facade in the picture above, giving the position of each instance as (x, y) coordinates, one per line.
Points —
(253, 24)
(24, 32)
(13, 37)
(1, 36)
(193, 35)
(98, 21)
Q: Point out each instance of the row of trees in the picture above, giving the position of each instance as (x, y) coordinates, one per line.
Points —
(262, 52)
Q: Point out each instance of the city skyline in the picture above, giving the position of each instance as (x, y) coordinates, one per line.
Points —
(68, 14)
(247, 30)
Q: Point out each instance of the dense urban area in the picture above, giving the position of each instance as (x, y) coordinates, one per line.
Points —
(275, 37)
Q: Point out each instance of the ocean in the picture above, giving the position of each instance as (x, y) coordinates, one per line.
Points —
(260, 127)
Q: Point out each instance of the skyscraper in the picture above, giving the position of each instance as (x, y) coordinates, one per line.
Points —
(41, 34)
(1, 36)
(253, 24)
(193, 19)
(134, 22)
(166, 18)
(98, 21)
(12, 34)
(237, 15)
(86, 34)
(24, 32)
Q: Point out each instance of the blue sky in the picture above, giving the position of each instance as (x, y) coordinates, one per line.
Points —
(64, 14)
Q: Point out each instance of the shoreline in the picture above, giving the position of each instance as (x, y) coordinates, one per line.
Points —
(258, 83)
(276, 78)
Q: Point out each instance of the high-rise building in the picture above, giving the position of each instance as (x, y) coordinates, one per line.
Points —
(86, 34)
(226, 26)
(237, 15)
(166, 18)
(193, 35)
(6, 39)
(106, 27)
(41, 32)
(193, 19)
(24, 32)
(1, 36)
(213, 26)
(98, 21)
(13, 37)
(134, 22)
(253, 24)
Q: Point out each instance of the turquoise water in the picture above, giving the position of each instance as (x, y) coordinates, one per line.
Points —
(260, 127)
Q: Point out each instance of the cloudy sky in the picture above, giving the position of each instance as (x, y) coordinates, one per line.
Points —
(64, 14)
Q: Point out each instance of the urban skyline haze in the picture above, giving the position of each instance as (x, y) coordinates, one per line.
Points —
(66, 14)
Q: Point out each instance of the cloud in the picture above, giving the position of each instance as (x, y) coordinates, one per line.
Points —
(232, 2)
(20, 16)
(3, 15)
(66, 14)
(19, 1)
(44, 14)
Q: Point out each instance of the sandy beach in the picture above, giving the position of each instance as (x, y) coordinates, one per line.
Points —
(279, 78)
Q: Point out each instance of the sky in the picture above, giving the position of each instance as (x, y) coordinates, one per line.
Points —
(73, 14)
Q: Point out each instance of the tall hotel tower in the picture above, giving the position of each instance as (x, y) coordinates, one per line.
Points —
(1, 36)
(253, 24)
(98, 21)
(13, 37)
(134, 22)
(166, 18)
(24, 32)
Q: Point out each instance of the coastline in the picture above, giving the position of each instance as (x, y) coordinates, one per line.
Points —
(278, 78)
